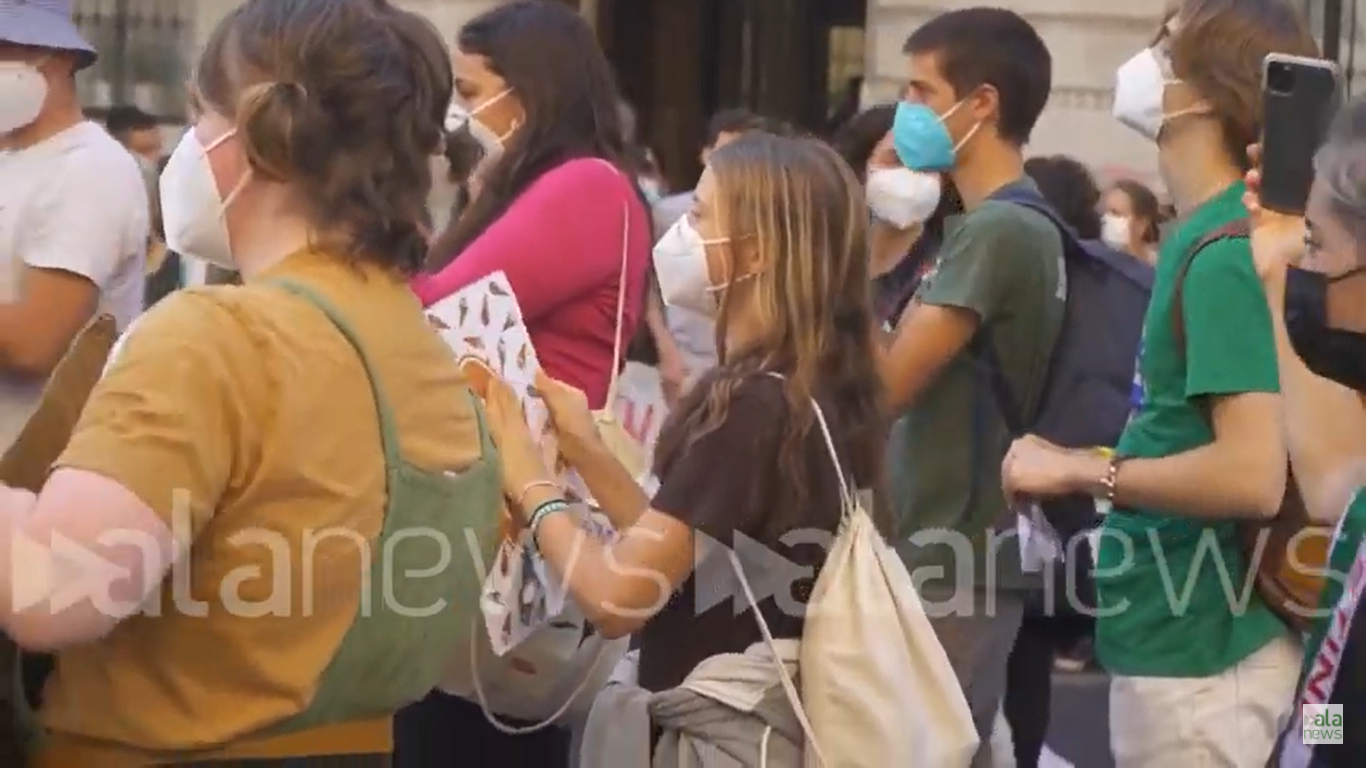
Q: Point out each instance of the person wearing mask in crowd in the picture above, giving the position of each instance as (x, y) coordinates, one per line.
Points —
(138, 132)
(460, 155)
(73, 208)
(978, 81)
(553, 209)
(639, 158)
(1315, 279)
(306, 170)
(164, 266)
(776, 248)
(1205, 447)
(1056, 617)
(1132, 219)
(724, 127)
(902, 252)
(687, 347)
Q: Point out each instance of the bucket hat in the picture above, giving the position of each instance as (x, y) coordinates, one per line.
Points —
(44, 24)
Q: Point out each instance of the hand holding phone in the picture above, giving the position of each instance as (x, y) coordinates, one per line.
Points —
(1277, 238)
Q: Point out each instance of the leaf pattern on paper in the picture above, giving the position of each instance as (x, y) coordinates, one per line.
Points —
(520, 593)
(438, 323)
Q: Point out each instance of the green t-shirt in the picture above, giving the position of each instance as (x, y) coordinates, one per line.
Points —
(1170, 588)
(1004, 262)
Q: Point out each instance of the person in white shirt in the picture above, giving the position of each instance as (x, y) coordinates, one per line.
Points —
(73, 208)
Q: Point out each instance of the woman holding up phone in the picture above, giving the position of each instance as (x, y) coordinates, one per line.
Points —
(1314, 271)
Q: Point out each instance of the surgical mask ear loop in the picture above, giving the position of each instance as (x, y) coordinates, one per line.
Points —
(240, 185)
(971, 131)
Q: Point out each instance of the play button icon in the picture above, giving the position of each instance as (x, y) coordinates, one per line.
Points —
(60, 573)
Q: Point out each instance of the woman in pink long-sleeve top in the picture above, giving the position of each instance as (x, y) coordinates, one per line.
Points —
(552, 207)
(550, 211)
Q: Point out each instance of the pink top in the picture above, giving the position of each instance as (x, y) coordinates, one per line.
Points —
(559, 244)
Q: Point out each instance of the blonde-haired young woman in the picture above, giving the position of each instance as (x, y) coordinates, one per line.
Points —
(776, 248)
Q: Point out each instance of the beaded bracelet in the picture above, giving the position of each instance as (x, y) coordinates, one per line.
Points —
(539, 515)
(531, 486)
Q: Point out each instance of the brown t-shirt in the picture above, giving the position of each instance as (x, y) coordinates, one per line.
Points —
(250, 405)
(728, 486)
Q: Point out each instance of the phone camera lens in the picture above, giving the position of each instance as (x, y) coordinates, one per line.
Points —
(1280, 78)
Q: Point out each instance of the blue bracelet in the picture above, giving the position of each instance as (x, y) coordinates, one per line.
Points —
(544, 510)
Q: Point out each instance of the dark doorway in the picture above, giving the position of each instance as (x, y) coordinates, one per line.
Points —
(680, 61)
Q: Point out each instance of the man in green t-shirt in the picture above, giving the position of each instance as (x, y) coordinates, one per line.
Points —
(1203, 672)
(979, 78)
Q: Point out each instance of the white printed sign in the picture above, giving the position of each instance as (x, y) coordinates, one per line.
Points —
(640, 405)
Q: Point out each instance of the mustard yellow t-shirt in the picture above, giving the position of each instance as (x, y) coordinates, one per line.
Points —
(245, 409)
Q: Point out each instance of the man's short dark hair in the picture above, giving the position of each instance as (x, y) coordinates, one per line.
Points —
(996, 47)
(738, 120)
(123, 120)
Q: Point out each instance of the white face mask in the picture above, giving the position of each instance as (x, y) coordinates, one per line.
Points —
(902, 197)
(680, 259)
(23, 90)
(1114, 231)
(1140, 85)
(191, 209)
(488, 139)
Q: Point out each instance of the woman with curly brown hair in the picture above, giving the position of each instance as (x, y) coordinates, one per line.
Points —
(251, 447)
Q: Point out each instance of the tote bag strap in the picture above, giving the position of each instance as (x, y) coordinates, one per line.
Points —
(620, 320)
(794, 697)
(618, 328)
(847, 497)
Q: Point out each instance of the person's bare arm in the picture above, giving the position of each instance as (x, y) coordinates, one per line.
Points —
(1241, 473)
(36, 330)
(616, 493)
(925, 341)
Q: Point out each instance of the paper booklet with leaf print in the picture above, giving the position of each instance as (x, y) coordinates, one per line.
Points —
(483, 325)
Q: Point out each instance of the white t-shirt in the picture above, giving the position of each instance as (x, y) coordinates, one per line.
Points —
(76, 202)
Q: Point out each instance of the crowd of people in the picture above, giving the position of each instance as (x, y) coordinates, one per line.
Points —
(893, 296)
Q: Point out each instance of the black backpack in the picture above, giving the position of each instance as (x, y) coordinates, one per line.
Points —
(1088, 392)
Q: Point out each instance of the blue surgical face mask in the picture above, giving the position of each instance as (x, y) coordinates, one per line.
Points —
(921, 140)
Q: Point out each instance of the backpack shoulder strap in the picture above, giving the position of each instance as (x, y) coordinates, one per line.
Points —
(1236, 229)
(1011, 411)
(1015, 194)
(388, 424)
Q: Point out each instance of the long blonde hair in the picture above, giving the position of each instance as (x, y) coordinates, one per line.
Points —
(801, 208)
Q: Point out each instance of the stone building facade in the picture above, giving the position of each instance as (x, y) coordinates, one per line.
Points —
(148, 47)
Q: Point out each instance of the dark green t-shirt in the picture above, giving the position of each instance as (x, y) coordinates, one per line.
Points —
(1170, 589)
(1004, 262)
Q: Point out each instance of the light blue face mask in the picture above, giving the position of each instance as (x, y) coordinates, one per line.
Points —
(922, 142)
